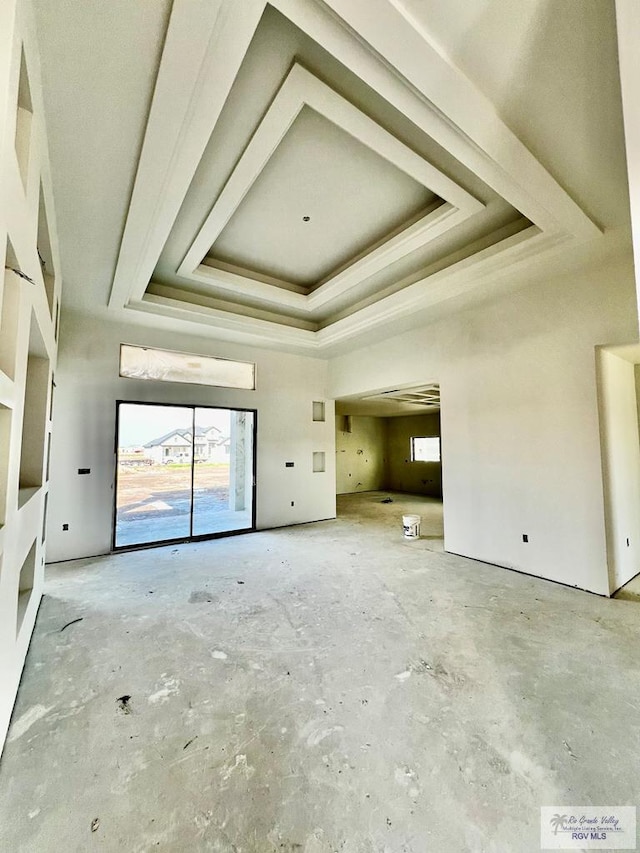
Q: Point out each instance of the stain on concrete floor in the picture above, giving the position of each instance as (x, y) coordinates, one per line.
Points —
(358, 693)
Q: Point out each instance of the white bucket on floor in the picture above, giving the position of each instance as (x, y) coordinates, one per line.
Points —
(411, 526)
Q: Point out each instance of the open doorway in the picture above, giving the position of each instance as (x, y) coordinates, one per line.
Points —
(389, 458)
(182, 473)
(618, 399)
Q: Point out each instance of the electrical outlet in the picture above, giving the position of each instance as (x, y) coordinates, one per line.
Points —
(525, 537)
(293, 503)
(65, 526)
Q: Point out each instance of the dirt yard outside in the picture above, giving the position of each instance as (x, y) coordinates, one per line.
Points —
(137, 485)
(155, 503)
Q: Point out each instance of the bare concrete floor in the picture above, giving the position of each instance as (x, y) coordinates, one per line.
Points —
(630, 591)
(330, 687)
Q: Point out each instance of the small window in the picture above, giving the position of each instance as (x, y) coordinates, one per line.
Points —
(167, 366)
(425, 449)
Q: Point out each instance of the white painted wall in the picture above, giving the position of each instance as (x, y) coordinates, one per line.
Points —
(519, 417)
(621, 465)
(88, 386)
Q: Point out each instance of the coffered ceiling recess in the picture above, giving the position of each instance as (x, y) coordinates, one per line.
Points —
(427, 397)
(299, 184)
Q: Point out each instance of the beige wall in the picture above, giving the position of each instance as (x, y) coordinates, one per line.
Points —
(376, 455)
(403, 475)
(360, 455)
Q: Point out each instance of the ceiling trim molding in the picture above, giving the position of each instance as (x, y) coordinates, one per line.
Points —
(300, 88)
(520, 250)
(252, 327)
(497, 260)
(379, 42)
(427, 228)
(448, 107)
(190, 92)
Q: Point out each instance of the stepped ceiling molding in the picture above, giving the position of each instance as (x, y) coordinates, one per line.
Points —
(314, 169)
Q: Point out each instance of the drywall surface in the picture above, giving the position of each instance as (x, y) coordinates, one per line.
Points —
(621, 466)
(628, 31)
(29, 295)
(84, 414)
(403, 475)
(520, 430)
(360, 454)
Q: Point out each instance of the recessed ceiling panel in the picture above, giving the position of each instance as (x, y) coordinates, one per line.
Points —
(312, 170)
(426, 396)
(323, 198)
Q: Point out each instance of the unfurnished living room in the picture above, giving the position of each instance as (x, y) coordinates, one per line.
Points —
(319, 425)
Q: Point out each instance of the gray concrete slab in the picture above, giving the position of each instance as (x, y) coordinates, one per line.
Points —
(330, 687)
(630, 591)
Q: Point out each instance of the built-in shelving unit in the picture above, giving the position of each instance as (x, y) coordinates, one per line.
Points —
(25, 586)
(5, 449)
(318, 415)
(45, 256)
(10, 302)
(34, 421)
(24, 120)
(29, 316)
(319, 464)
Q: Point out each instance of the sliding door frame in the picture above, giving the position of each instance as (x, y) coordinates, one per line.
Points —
(158, 543)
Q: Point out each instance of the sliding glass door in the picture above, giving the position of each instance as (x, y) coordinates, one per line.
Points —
(183, 472)
(223, 471)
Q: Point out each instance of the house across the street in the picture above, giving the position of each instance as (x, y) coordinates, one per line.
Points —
(175, 446)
